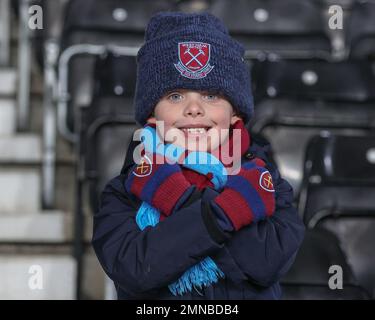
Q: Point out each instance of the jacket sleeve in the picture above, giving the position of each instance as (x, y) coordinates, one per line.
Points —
(263, 252)
(138, 260)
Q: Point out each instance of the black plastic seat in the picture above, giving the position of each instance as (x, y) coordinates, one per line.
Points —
(107, 124)
(338, 194)
(296, 99)
(313, 93)
(345, 167)
(110, 21)
(105, 128)
(351, 80)
(361, 30)
(115, 76)
(120, 74)
(104, 23)
(105, 152)
(289, 28)
(309, 276)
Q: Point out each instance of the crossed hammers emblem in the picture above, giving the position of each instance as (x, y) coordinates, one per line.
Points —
(268, 182)
(143, 167)
(194, 57)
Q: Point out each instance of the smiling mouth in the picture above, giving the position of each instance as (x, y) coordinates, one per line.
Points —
(195, 131)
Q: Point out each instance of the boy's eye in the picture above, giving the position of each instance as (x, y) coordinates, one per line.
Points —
(210, 96)
(175, 96)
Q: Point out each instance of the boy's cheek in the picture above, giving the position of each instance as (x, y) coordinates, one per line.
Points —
(174, 135)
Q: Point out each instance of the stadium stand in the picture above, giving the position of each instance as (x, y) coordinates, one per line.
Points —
(361, 30)
(296, 99)
(314, 101)
(338, 193)
(290, 28)
(108, 123)
(308, 278)
(300, 90)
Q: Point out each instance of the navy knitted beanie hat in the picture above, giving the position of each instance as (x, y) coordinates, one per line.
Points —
(190, 51)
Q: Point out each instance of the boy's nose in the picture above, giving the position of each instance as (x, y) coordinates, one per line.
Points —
(194, 108)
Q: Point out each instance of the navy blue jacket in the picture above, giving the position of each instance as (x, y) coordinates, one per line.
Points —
(143, 263)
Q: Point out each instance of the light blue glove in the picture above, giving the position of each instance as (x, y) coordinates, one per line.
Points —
(153, 144)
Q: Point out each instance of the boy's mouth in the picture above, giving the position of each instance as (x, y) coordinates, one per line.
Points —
(195, 130)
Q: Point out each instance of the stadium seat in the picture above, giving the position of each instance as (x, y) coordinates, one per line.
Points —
(289, 28)
(100, 23)
(338, 194)
(361, 30)
(316, 79)
(110, 21)
(296, 99)
(309, 276)
(105, 128)
(114, 75)
(107, 125)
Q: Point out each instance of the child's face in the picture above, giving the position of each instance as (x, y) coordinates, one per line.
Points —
(182, 110)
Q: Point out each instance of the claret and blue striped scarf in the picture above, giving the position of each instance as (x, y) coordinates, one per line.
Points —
(205, 272)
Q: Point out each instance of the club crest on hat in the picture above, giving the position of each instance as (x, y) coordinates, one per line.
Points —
(265, 181)
(194, 58)
(144, 168)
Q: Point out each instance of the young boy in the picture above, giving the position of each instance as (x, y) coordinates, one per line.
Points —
(172, 226)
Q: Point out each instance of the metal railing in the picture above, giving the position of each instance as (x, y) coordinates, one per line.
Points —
(56, 95)
(51, 50)
(24, 66)
(63, 96)
(5, 32)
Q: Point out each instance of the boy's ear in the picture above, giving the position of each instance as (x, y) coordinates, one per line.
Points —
(234, 118)
(151, 119)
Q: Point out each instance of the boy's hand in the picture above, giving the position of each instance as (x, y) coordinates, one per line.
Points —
(248, 196)
(158, 183)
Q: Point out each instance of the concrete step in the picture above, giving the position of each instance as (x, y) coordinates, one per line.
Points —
(37, 277)
(43, 227)
(20, 149)
(7, 117)
(20, 190)
(8, 82)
